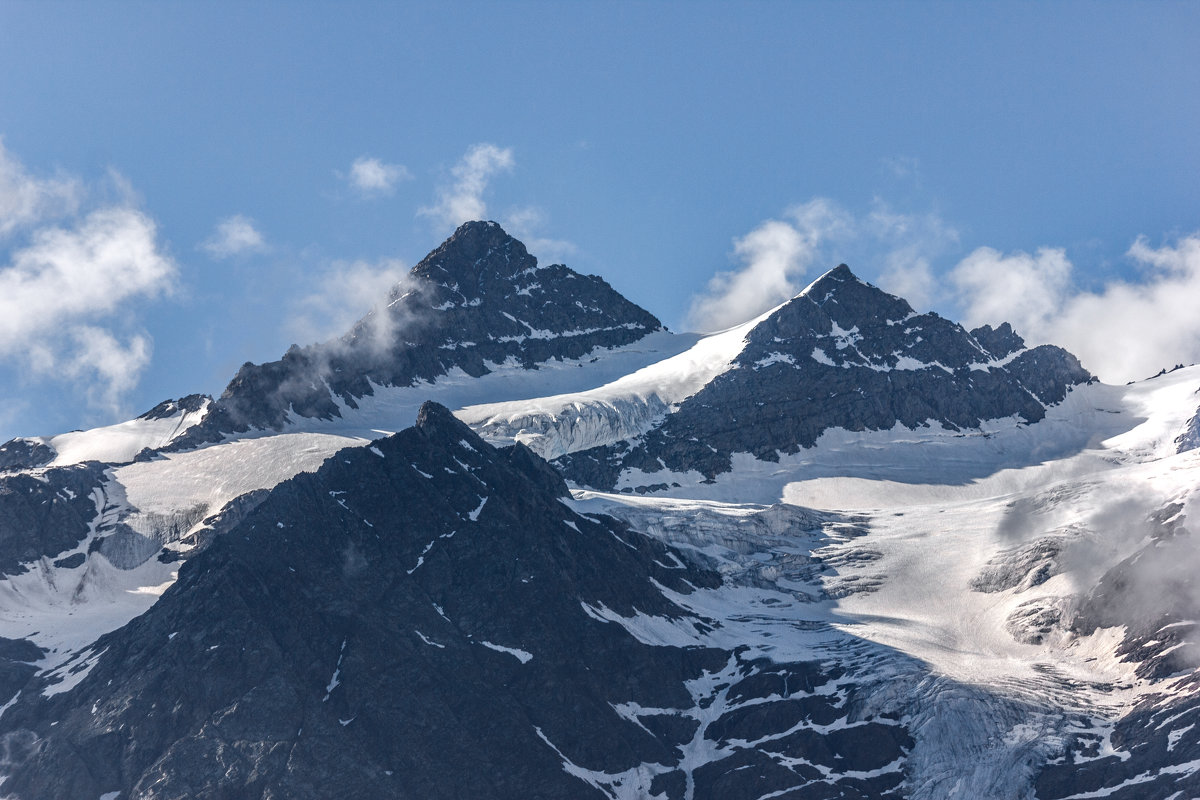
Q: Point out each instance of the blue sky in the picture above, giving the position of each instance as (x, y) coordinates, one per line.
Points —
(1038, 162)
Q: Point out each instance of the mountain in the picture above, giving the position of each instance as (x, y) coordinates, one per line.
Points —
(841, 550)
(841, 355)
(478, 301)
(424, 617)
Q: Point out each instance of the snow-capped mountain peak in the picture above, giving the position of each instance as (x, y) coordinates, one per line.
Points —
(843, 549)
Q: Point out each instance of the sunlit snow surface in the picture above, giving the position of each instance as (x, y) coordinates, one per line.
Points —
(120, 442)
(932, 507)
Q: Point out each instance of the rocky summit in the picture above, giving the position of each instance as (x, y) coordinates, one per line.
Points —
(510, 538)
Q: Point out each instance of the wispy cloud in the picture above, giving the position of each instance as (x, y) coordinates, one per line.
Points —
(372, 177)
(26, 200)
(902, 167)
(774, 257)
(461, 200)
(906, 246)
(527, 225)
(62, 292)
(777, 255)
(344, 294)
(233, 236)
(1124, 331)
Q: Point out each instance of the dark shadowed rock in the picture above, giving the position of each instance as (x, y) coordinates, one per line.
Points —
(1000, 342)
(45, 515)
(24, 454)
(425, 618)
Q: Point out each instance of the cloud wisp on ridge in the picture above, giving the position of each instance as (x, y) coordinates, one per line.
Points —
(461, 199)
(777, 256)
(1125, 330)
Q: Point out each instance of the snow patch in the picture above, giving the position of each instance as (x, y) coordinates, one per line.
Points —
(521, 655)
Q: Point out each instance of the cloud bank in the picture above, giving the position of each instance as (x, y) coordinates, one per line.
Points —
(1124, 331)
(461, 200)
(234, 236)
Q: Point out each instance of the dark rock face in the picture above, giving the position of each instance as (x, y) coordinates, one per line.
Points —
(24, 454)
(1152, 595)
(419, 619)
(1155, 743)
(1190, 438)
(842, 355)
(478, 300)
(169, 408)
(16, 665)
(1000, 342)
(1021, 567)
(44, 516)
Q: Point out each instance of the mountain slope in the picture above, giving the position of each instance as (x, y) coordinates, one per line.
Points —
(478, 318)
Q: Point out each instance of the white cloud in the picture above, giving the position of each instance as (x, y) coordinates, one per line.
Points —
(905, 245)
(108, 368)
(902, 167)
(234, 236)
(525, 224)
(462, 200)
(26, 201)
(371, 177)
(55, 289)
(777, 255)
(1124, 331)
(83, 272)
(774, 256)
(1026, 290)
(343, 295)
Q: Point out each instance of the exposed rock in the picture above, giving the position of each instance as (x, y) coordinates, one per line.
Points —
(45, 515)
(422, 621)
(24, 454)
(1022, 567)
(1000, 342)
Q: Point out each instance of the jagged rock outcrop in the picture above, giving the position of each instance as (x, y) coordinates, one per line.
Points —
(23, 453)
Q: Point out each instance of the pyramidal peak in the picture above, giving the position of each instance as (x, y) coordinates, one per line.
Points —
(477, 253)
(478, 301)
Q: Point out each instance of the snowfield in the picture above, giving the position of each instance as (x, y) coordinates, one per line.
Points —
(909, 527)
